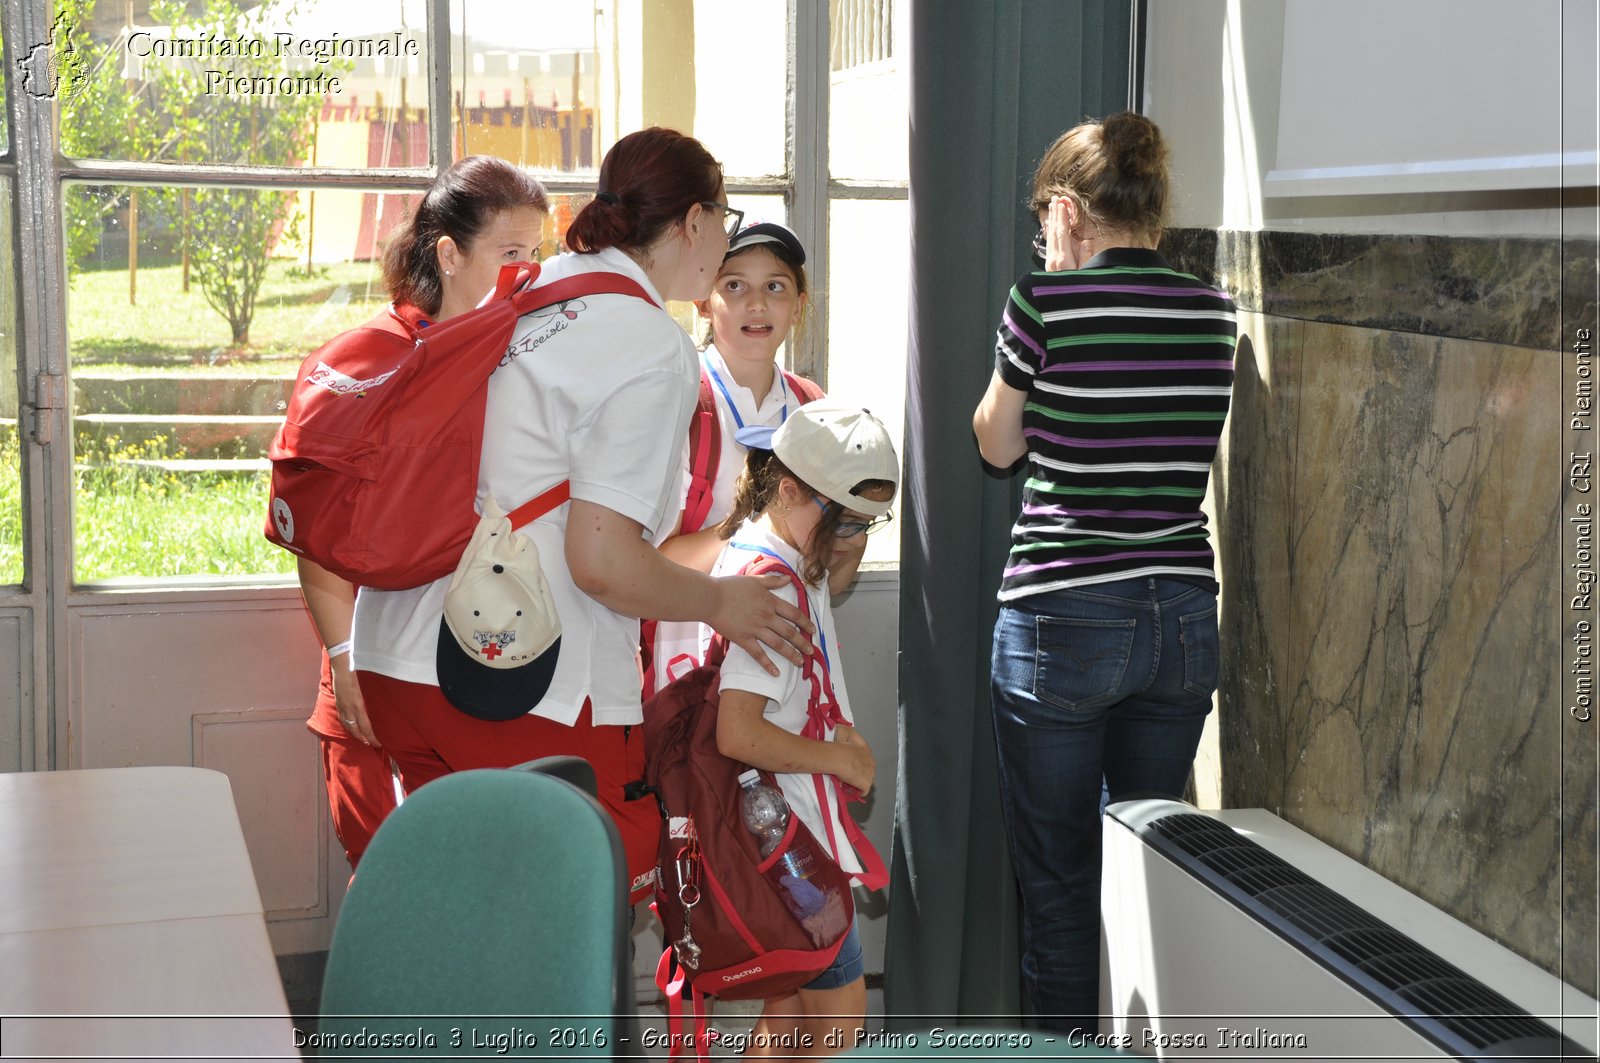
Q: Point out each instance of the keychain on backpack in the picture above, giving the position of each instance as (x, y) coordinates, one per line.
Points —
(688, 864)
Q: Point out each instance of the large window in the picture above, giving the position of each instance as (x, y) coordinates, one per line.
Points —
(230, 176)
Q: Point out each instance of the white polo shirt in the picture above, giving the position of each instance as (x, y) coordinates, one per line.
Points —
(738, 405)
(677, 648)
(788, 693)
(598, 391)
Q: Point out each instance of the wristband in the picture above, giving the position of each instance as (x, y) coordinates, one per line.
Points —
(342, 648)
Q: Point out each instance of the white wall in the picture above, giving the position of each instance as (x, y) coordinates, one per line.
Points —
(1267, 104)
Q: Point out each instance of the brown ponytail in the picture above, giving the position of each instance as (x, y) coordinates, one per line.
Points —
(757, 489)
(648, 181)
(1117, 169)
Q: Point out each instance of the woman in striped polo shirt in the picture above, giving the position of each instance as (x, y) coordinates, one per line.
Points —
(1112, 377)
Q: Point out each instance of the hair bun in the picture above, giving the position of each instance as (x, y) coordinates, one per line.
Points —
(1133, 145)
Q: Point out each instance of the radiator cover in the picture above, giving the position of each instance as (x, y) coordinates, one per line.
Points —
(1215, 945)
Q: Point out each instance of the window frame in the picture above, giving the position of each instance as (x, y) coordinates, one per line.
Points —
(32, 159)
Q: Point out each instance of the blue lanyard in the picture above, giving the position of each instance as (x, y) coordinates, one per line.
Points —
(717, 380)
(822, 640)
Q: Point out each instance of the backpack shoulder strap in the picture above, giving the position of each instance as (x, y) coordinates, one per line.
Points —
(767, 565)
(705, 455)
(599, 282)
(806, 389)
(540, 504)
(874, 874)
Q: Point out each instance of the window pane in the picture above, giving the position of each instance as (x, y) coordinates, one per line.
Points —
(525, 88)
(869, 260)
(554, 91)
(868, 117)
(12, 529)
(741, 83)
(188, 312)
(285, 83)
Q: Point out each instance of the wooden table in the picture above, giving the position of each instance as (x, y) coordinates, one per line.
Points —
(130, 922)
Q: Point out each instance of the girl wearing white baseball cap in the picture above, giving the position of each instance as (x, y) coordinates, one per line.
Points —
(827, 481)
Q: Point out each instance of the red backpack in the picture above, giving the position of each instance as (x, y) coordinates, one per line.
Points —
(375, 470)
(715, 904)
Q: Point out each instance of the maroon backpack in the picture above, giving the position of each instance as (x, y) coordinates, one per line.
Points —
(375, 470)
(716, 906)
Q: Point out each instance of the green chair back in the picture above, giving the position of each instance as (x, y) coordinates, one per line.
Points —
(574, 769)
(489, 917)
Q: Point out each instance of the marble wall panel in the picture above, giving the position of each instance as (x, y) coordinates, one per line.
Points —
(1501, 290)
(1389, 511)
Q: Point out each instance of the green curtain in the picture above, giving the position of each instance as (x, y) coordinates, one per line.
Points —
(992, 84)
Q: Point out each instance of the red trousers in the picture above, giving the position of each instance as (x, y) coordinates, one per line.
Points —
(428, 737)
(360, 786)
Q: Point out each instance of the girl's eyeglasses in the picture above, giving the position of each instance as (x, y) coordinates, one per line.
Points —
(849, 529)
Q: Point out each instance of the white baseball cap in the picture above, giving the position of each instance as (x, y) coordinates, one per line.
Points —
(500, 635)
(833, 448)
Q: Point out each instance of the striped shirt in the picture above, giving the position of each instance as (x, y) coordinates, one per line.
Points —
(1128, 366)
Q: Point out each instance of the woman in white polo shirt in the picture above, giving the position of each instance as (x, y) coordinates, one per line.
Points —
(597, 392)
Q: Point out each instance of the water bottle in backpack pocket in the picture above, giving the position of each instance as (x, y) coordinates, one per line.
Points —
(817, 904)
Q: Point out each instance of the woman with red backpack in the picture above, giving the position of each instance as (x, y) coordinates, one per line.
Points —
(440, 262)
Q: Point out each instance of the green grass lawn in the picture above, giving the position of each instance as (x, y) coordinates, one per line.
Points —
(131, 520)
(10, 506)
(168, 327)
(145, 522)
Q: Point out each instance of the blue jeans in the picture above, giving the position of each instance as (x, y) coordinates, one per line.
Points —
(847, 966)
(1107, 684)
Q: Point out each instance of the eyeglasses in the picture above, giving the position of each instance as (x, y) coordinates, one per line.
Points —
(1039, 245)
(849, 529)
(731, 219)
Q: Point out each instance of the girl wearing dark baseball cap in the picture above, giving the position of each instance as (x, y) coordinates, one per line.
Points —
(757, 305)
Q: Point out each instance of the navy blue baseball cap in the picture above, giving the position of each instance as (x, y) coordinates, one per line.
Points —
(767, 232)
